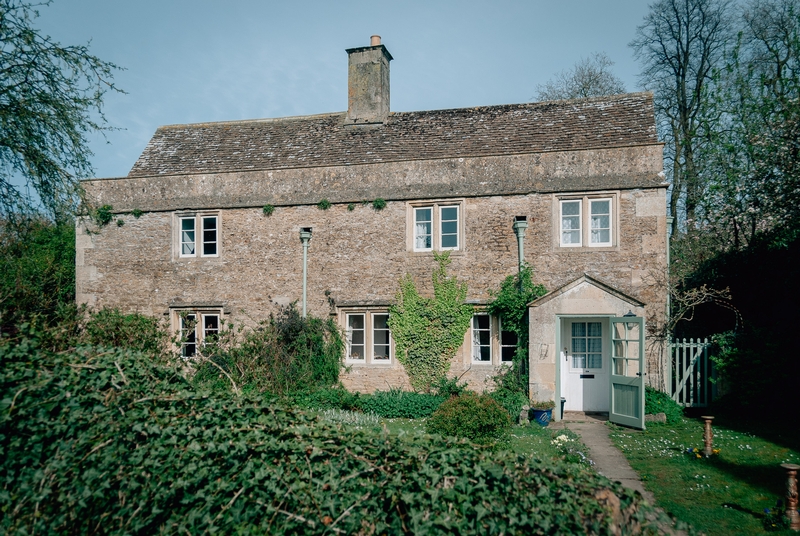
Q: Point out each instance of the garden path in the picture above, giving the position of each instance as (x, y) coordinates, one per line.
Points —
(608, 460)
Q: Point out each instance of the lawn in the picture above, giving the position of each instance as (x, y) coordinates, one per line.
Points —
(530, 439)
(725, 494)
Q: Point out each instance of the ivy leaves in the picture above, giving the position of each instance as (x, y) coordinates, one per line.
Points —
(428, 331)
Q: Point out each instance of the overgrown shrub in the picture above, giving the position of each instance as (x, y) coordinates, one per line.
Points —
(478, 418)
(447, 387)
(509, 393)
(37, 273)
(110, 327)
(511, 401)
(322, 399)
(286, 354)
(398, 403)
(99, 440)
(656, 401)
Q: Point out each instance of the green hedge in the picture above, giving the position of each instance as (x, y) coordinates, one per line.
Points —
(100, 440)
(398, 403)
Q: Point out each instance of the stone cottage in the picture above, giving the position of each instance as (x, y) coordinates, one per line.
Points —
(582, 175)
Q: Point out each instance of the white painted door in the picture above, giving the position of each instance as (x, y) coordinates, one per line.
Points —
(627, 376)
(585, 364)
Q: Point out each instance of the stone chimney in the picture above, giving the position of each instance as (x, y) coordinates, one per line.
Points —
(368, 83)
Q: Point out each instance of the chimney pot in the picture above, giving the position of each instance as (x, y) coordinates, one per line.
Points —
(375, 40)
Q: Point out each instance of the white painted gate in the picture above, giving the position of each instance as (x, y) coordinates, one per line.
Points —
(691, 373)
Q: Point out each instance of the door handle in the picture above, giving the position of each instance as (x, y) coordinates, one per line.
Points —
(640, 374)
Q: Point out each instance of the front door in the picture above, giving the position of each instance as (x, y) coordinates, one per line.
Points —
(627, 371)
(585, 364)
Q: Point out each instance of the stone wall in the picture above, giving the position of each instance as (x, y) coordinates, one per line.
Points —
(356, 257)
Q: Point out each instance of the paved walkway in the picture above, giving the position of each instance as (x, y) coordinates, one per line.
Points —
(608, 460)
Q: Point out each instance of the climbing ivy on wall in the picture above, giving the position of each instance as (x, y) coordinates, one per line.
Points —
(510, 304)
(428, 331)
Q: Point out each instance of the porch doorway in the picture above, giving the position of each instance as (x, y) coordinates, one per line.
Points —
(585, 363)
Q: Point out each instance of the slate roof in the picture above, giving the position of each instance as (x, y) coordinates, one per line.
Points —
(324, 140)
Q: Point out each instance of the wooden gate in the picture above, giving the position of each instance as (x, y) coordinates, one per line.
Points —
(691, 373)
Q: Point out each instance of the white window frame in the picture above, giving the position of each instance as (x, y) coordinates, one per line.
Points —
(476, 344)
(561, 231)
(370, 327)
(435, 224)
(199, 240)
(586, 220)
(199, 332)
(591, 227)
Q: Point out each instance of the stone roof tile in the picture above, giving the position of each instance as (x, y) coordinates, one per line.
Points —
(325, 140)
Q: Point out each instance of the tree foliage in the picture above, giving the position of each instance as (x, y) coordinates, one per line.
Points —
(752, 160)
(37, 272)
(590, 77)
(678, 45)
(51, 99)
(428, 331)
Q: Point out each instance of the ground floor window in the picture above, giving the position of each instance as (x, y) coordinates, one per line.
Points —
(490, 343)
(368, 337)
(196, 329)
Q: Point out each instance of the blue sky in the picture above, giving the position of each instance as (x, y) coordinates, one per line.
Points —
(190, 61)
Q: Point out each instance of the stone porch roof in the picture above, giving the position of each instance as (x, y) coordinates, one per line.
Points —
(324, 140)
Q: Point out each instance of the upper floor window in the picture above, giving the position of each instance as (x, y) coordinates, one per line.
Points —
(586, 222)
(198, 235)
(436, 226)
(368, 337)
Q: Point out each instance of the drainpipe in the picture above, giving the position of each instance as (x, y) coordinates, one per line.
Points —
(520, 224)
(305, 237)
(667, 379)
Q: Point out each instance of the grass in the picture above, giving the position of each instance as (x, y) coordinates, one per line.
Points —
(531, 440)
(724, 494)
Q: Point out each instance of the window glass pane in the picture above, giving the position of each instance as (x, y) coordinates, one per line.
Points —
(570, 208)
(578, 345)
(601, 207)
(594, 329)
(210, 235)
(594, 361)
(579, 329)
(187, 236)
(507, 353)
(449, 213)
(508, 338)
